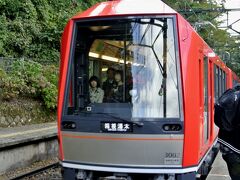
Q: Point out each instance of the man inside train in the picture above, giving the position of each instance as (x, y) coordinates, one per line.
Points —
(108, 85)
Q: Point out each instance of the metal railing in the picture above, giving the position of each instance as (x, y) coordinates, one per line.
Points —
(6, 62)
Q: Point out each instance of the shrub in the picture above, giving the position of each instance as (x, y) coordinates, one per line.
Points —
(30, 79)
(2, 73)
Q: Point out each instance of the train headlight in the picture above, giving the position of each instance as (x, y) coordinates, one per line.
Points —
(69, 125)
(172, 127)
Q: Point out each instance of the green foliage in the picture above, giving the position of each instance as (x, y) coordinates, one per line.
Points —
(49, 94)
(22, 111)
(11, 87)
(88, 3)
(31, 79)
(32, 28)
(2, 74)
(232, 49)
(226, 46)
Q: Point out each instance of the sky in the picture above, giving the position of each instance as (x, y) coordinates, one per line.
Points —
(233, 16)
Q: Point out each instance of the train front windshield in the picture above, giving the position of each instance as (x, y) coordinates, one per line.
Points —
(124, 68)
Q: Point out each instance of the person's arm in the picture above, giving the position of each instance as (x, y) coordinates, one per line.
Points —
(101, 95)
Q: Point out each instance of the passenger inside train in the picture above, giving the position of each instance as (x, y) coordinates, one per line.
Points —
(108, 85)
(95, 92)
(118, 87)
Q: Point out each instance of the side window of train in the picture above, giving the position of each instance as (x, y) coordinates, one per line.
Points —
(233, 81)
(206, 114)
(224, 81)
(220, 82)
(205, 83)
(216, 87)
(218, 79)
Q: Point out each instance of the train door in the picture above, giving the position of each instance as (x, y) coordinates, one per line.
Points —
(207, 101)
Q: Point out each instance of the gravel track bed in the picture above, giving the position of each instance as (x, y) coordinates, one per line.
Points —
(53, 173)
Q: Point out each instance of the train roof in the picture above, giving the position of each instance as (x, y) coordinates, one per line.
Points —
(135, 7)
(126, 7)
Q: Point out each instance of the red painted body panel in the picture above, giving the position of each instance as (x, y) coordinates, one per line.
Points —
(231, 77)
(191, 52)
(65, 53)
(126, 7)
(188, 57)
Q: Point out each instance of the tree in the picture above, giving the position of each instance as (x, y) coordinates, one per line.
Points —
(33, 28)
(202, 17)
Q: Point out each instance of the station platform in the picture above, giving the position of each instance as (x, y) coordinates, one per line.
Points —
(219, 170)
(25, 134)
(22, 146)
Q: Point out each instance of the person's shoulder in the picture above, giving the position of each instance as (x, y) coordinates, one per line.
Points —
(90, 90)
(100, 90)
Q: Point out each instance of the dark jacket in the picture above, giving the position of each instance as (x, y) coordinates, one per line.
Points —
(230, 139)
(108, 90)
(118, 93)
(229, 134)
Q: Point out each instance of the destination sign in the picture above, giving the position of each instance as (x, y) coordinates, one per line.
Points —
(116, 127)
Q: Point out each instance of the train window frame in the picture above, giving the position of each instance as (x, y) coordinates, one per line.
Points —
(220, 82)
(216, 87)
(206, 91)
(224, 81)
(177, 61)
(235, 80)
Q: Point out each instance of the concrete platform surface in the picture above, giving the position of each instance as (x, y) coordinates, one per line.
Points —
(219, 170)
(22, 146)
(18, 135)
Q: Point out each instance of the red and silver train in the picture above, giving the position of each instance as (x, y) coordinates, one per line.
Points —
(162, 125)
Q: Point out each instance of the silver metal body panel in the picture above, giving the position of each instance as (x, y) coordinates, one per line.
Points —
(128, 150)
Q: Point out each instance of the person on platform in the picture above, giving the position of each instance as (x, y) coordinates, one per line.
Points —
(227, 118)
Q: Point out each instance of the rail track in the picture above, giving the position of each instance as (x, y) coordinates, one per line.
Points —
(41, 173)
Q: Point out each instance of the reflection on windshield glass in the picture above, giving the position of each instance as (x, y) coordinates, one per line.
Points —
(127, 61)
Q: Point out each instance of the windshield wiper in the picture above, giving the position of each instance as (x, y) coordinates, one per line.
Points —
(139, 124)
